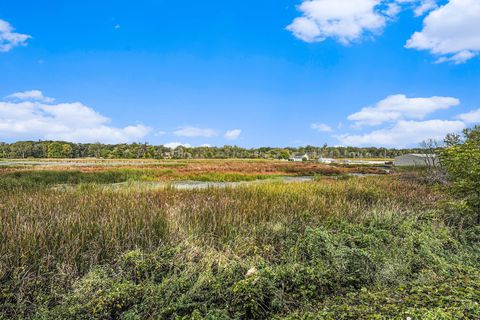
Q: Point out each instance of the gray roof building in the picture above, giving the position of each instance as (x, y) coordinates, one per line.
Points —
(416, 160)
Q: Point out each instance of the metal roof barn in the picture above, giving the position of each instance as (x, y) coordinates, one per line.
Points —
(416, 160)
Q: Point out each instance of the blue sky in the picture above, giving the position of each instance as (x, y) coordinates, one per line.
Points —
(263, 73)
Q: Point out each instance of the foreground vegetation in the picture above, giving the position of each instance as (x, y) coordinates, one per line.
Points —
(359, 247)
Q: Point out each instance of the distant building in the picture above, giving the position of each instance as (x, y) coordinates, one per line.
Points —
(416, 160)
(326, 160)
(299, 158)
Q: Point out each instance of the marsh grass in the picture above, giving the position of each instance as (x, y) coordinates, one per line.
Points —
(32, 179)
(250, 252)
(46, 178)
(227, 177)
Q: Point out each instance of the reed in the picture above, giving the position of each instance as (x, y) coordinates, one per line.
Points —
(364, 231)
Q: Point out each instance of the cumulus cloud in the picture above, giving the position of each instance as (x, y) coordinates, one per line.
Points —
(405, 122)
(193, 132)
(36, 118)
(321, 127)
(350, 20)
(35, 95)
(232, 134)
(470, 117)
(398, 107)
(450, 32)
(345, 21)
(10, 39)
(404, 133)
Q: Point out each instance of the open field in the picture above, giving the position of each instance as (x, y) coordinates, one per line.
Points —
(335, 247)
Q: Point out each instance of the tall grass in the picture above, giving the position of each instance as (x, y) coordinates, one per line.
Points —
(43, 178)
(172, 253)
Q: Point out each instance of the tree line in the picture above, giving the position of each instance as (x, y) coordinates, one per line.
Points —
(63, 149)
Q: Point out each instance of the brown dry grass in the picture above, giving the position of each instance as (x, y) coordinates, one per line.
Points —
(191, 167)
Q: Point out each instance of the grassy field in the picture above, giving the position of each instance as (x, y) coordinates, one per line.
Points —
(182, 167)
(374, 247)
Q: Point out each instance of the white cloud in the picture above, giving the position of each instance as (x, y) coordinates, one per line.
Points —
(343, 20)
(393, 9)
(10, 39)
(350, 20)
(65, 121)
(404, 133)
(470, 117)
(195, 132)
(35, 95)
(232, 134)
(425, 6)
(405, 122)
(398, 107)
(419, 7)
(321, 127)
(450, 32)
(174, 145)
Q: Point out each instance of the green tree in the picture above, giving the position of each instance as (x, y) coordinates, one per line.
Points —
(284, 154)
(67, 150)
(59, 150)
(55, 150)
(462, 163)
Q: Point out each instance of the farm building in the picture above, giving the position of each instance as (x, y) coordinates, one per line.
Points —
(299, 158)
(416, 160)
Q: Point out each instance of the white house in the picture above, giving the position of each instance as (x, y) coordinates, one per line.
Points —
(326, 160)
(299, 158)
(416, 160)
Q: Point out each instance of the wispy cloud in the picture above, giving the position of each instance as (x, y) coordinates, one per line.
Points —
(232, 134)
(321, 127)
(470, 117)
(10, 39)
(193, 132)
(32, 95)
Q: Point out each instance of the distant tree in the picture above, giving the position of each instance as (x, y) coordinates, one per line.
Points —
(462, 163)
(67, 150)
(452, 139)
(55, 150)
(434, 172)
(96, 149)
(43, 149)
(285, 154)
